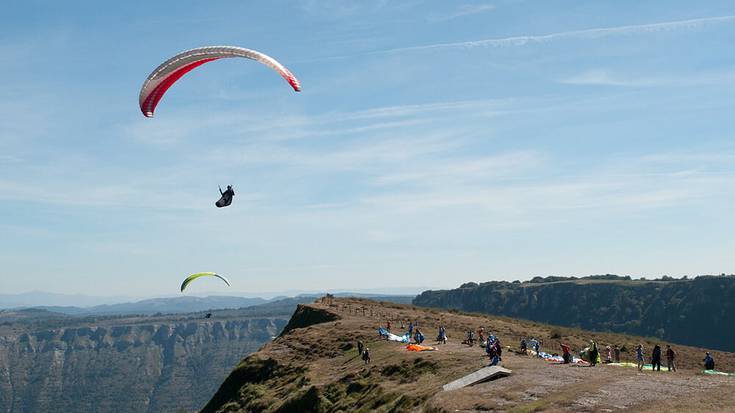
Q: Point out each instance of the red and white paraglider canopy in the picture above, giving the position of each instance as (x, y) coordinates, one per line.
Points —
(165, 75)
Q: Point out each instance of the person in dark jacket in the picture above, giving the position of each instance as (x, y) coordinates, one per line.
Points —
(360, 347)
(366, 355)
(418, 337)
(594, 353)
(709, 362)
(656, 358)
(470, 338)
(670, 358)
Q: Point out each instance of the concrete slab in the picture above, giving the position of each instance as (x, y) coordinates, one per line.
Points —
(484, 374)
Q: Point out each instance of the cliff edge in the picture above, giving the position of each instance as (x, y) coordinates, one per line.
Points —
(314, 367)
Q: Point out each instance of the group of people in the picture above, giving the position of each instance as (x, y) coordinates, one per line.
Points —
(612, 355)
(493, 349)
(490, 343)
(535, 345)
(417, 336)
(656, 356)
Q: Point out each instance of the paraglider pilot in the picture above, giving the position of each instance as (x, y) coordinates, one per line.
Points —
(226, 199)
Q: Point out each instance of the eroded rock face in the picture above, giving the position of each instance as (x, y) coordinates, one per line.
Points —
(127, 366)
(306, 316)
(691, 312)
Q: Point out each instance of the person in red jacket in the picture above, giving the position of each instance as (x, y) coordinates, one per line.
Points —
(566, 353)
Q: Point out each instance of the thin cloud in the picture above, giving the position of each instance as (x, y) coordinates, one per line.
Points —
(7, 159)
(463, 11)
(607, 78)
(183, 126)
(464, 170)
(595, 33)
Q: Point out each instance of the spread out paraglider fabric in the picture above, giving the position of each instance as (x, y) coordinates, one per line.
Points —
(392, 337)
(718, 373)
(559, 359)
(165, 75)
(193, 277)
(416, 347)
(226, 198)
(586, 356)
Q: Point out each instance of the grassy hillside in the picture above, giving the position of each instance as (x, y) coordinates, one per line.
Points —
(314, 367)
(694, 312)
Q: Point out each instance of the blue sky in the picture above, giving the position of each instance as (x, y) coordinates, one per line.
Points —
(433, 143)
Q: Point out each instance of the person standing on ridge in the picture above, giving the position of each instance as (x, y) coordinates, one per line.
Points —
(537, 347)
(387, 326)
(410, 329)
(656, 358)
(616, 353)
(442, 335)
(709, 361)
(470, 338)
(360, 347)
(639, 356)
(670, 358)
(366, 355)
(594, 353)
(498, 349)
(419, 337)
(566, 353)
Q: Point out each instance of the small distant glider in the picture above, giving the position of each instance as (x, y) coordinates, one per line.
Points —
(226, 198)
(193, 277)
(170, 71)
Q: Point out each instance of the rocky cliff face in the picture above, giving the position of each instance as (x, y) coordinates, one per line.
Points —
(693, 312)
(143, 364)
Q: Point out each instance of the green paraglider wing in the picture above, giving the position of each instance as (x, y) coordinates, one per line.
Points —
(193, 277)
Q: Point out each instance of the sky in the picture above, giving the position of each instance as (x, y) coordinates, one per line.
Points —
(434, 143)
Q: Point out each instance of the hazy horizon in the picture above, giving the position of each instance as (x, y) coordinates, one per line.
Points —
(432, 144)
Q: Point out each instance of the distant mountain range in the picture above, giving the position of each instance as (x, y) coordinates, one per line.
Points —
(164, 305)
(161, 305)
(38, 298)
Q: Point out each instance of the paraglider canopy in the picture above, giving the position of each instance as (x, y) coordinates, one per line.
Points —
(193, 277)
(170, 71)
